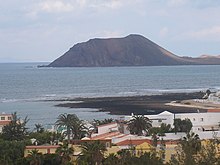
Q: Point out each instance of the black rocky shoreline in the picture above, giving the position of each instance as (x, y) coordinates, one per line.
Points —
(144, 105)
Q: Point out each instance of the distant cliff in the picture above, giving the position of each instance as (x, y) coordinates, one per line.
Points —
(133, 50)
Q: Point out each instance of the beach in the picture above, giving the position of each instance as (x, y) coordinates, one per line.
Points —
(147, 104)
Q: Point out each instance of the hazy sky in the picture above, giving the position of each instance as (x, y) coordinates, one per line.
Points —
(42, 30)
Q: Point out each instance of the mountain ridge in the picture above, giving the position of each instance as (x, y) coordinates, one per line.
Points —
(132, 50)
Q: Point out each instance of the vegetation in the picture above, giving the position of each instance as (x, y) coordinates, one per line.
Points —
(52, 159)
(39, 128)
(92, 153)
(16, 129)
(208, 153)
(126, 157)
(11, 151)
(46, 137)
(34, 158)
(182, 125)
(65, 152)
(66, 120)
(160, 131)
(139, 125)
(101, 122)
(190, 149)
(95, 123)
(73, 125)
(111, 159)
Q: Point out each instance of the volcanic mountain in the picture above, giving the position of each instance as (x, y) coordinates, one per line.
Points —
(133, 50)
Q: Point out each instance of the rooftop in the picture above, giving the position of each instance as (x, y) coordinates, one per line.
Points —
(4, 122)
(108, 124)
(213, 110)
(133, 142)
(42, 147)
(106, 135)
(4, 114)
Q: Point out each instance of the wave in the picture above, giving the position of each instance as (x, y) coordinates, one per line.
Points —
(139, 92)
(5, 100)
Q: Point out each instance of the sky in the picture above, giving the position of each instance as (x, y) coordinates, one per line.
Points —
(43, 30)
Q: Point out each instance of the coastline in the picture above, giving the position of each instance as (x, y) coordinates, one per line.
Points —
(147, 104)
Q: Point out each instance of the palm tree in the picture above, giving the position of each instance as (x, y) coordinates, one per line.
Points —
(187, 149)
(66, 120)
(92, 152)
(78, 129)
(65, 152)
(35, 157)
(182, 125)
(52, 159)
(39, 128)
(125, 156)
(191, 142)
(209, 153)
(105, 121)
(138, 124)
(150, 158)
(111, 159)
(16, 129)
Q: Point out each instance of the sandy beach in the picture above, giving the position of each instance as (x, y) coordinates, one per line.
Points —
(195, 103)
(153, 104)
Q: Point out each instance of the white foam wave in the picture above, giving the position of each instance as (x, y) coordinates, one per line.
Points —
(139, 92)
(4, 100)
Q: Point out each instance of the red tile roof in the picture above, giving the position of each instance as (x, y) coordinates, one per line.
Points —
(213, 110)
(122, 135)
(133, 142)
(140, 141)
(172, 142)
(42, 147)
(5, 122)
(106, 135)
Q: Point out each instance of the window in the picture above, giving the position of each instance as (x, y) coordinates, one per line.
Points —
(107, 144)
(194, 119)
(2, 118)
(201, 119)
(172, 156)
(9, 118)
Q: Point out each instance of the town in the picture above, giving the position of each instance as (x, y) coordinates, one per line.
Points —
(165, 138)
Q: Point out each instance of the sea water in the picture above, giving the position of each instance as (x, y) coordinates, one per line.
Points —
(24, 87)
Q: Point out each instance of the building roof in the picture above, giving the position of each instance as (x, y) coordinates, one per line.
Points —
(85, 138)
(133, 142)
(78, 142)
(4, 114)
(42, 147)
(103, 125)
(106, 135)
(4, 122)
(141, 141)
(166, 113)
(170, 142)
(213, 110)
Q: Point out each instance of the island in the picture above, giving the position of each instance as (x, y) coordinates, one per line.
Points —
(132, 50)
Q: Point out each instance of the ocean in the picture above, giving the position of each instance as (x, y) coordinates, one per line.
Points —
(24, 88)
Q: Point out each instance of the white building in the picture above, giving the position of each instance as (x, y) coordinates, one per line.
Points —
(202, 124)
(214, 97)
(4, 120)
(200, 121)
